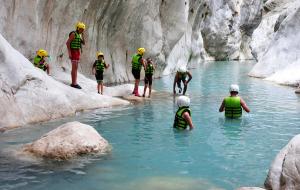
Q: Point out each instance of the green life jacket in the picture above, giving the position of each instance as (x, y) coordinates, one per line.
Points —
(136, 65)
(76, 42)
(179, 121)
(233, 107)
(39, 62)
(149, 69)
(100, 65)
(182, 76)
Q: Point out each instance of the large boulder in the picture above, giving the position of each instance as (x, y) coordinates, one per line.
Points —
(284, 173)
(67, 141)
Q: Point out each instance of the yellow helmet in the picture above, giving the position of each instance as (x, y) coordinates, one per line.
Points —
(99, 53)
(42, 53)
(141, 51)
(80, 25)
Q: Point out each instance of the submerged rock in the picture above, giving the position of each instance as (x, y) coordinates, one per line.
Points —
(172, 183)
(284, 173)
(67, 141)
(250, 188)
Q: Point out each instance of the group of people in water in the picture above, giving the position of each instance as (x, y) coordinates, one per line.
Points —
(232, 105)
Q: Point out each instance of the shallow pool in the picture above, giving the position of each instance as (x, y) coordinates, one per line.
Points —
(148, 154)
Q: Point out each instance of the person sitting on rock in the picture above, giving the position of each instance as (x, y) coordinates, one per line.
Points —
(40, 62)
(137, 63)
(149, 70)
(98, 69)
(233, 104)
(181, 76)
(74, 45)
(183, 117)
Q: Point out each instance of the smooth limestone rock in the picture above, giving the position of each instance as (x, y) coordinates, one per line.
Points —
(174, 32)
(276, 43)
(284, 172)
(250, 188)
(67, 141)
(29, 95)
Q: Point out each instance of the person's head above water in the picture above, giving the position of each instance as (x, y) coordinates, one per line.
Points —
(234, 89)
(183, 101)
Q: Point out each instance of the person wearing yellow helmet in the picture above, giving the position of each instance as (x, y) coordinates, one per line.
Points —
(149, 70)
(137, 63)
(181, 76)
(74, 45)
(40, 62)
(98, 69)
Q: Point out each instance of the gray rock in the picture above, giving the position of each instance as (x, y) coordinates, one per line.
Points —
(68, 140)
(284, 172)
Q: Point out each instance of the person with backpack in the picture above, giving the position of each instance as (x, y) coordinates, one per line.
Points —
(74, 45)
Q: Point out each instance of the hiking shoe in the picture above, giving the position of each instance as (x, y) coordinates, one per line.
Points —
(75, 86)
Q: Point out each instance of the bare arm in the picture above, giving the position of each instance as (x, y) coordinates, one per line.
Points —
(188, 119)
(82, 38)
(244, 106)
(190, 76)
(71, 38)
(221, 109)
(106, 66)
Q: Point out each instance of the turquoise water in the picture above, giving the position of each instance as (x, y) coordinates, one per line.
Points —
(148, 154)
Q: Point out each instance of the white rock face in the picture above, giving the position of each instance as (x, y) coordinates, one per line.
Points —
(172, 31)
(284, 172)
(29, 95)
(67, 141)
(227, 27)
(276, 43)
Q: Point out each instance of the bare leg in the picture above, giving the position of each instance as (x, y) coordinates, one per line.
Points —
(101, 84)
(74, 72)
(145, 89)
(98, 88)
(184, 89)
(136, 87)
(48, 69)
(150, 87)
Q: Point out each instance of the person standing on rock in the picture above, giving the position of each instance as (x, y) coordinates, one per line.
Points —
(183, 116)
(149, 70)
(98, 69)
(181, 76)
(74, 45)
(233, 104)
(40, 62)
(137, 63)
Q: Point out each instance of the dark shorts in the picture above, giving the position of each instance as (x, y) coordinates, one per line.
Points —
(75, 54)
(148, 79)
(179, 82)
(99, 77)
(136, 74)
